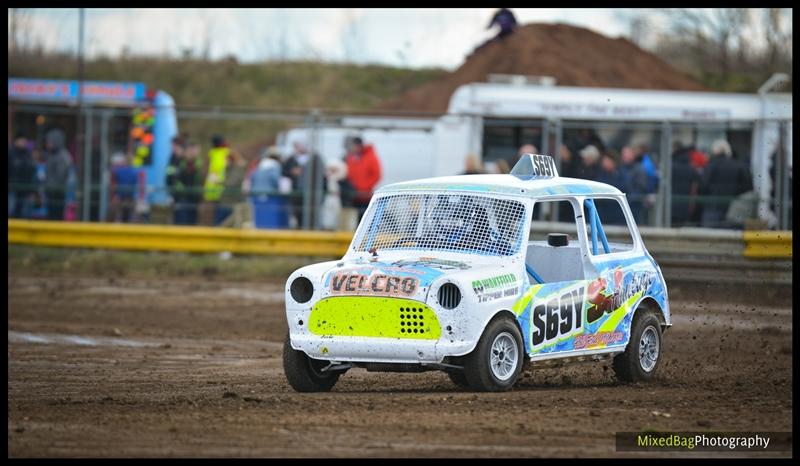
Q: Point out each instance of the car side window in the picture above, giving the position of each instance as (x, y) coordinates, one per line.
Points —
(554, 251)
(606, 228)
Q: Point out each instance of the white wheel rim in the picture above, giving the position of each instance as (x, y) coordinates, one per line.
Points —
(503, 356)
(648, 349)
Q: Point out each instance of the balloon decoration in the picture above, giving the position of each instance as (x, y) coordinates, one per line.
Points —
(142, 135)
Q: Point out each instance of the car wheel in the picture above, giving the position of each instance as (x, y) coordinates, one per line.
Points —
(304, 373)
(642, 356)
(458, 378)
(496, 362)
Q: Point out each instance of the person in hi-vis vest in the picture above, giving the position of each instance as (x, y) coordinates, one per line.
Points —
(215, 179)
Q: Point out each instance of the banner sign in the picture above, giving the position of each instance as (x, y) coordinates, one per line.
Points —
(56, 90)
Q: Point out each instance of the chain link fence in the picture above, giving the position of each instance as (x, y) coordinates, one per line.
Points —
(91, 193)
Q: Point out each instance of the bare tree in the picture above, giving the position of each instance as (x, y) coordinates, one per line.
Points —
(726, 47)
(778, 37)
(714, 33)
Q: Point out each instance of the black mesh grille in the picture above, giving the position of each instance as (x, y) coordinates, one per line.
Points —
(449, 296)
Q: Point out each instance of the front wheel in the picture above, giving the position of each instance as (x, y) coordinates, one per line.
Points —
(643, 354)
(304, 373)
(496, 362)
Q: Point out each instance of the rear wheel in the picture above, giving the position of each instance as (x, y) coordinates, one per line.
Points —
(642, 356)
(304, 373)
(496, 362)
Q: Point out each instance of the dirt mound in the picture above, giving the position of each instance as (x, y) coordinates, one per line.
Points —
(573, 55)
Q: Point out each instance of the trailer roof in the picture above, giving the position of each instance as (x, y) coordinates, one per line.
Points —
(503, 184)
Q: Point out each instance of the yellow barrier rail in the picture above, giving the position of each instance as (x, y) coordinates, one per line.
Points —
(767, 244)
(174, 238)
(758, 244)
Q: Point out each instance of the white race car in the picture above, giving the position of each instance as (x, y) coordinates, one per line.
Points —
(444, 274)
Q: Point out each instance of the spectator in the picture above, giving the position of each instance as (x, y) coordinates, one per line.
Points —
(363, 172)
(173, 183)
(233, 210)
(473, 165)
(38, 208)
(188, 182)
(265, 179)
(502, 166)
(697, 160)
(685, 186)
(569, 164)
(610, 213)
(588, 168)
(21, 176)
(607, 171)
(214, 180)
(124, 181)
(335, 172)
(57, 174)
(504, 18)
(723, 179)
(585, 137)
(526, 149)
(633, 181)
(306, 171)
(653, 178)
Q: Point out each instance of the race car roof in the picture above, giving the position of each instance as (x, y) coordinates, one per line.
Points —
(504, 184)
(534, 175)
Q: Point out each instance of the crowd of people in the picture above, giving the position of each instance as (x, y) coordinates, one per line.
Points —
(217, 187)
(300, 190)
(41, 182)
(304, 190)
(710, 190)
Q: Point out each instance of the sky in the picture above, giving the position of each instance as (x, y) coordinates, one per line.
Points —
(413, 38)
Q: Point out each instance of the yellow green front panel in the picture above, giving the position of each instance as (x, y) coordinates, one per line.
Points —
(368, 316)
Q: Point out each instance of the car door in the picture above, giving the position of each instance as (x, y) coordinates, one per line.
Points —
(590, 310)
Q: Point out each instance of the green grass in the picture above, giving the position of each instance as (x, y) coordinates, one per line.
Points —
(297, 85)
(47, 261)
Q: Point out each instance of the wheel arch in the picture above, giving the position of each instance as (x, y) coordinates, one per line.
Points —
(648, 303)
(498, 314)
(507, 313)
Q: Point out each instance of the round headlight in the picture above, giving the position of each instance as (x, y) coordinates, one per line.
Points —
(449, 296)
(301, 289)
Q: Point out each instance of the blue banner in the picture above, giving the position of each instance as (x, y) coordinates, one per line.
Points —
(63, 91)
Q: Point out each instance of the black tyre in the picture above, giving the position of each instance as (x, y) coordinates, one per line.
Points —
(642, 356)
(304, 373)
(496, 362)
(458, 378)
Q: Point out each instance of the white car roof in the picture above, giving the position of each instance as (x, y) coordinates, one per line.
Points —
(505, 184)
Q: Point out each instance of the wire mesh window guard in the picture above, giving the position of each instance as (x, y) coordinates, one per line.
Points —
(443, 222)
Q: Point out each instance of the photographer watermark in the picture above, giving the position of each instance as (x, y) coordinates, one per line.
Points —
(704, 441)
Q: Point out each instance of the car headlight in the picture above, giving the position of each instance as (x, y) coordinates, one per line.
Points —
(449, 296)
(301, 289)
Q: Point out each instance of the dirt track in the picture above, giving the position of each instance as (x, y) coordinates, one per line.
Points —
(102, 367)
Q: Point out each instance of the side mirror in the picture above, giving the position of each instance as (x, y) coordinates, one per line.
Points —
(557, 239)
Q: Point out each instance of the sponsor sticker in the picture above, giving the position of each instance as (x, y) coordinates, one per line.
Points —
(381, 284)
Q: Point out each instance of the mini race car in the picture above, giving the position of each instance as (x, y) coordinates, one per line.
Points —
(445, 274)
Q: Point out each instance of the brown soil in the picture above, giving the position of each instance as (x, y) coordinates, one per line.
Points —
(206, 380)
(573, 55)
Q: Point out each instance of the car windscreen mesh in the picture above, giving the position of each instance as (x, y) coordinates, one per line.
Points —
(443, 222)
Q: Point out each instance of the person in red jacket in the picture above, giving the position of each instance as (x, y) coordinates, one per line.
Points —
(363, 172)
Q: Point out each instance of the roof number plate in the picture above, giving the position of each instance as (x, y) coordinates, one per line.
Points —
(535, 165)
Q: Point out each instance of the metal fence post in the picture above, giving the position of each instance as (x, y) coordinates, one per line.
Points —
(782, 177)
(666, 177)
(87, 166)
(662, 169)
(104, 175)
